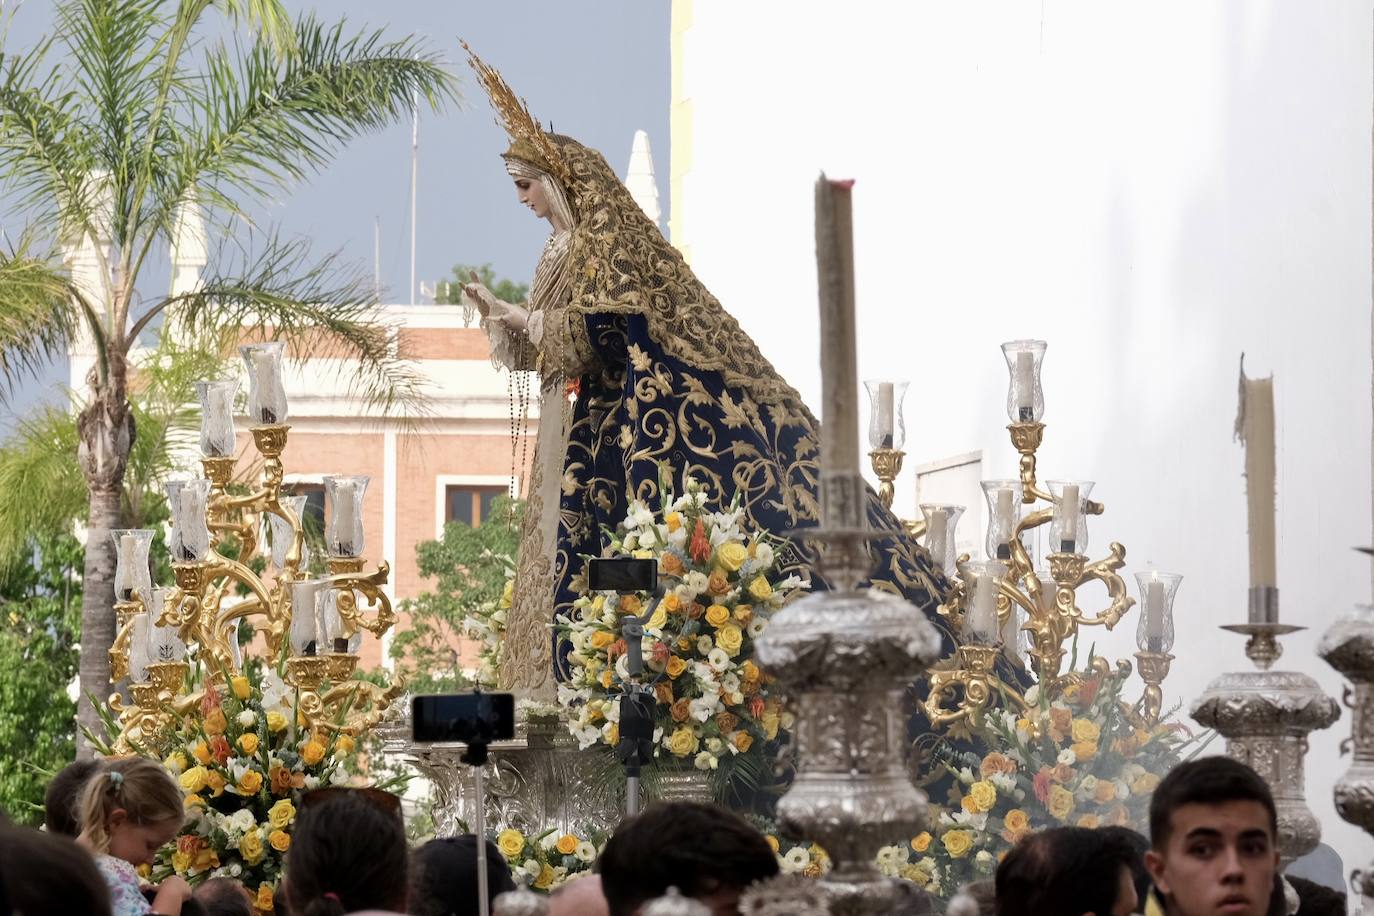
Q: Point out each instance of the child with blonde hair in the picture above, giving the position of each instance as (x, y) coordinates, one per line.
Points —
(131, 808)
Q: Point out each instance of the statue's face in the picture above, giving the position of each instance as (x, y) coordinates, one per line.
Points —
(531, 194)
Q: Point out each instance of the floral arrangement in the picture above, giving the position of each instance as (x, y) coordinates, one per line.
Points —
(546, 861)
(243, 764)
(1078, 759)
(720, 586)
(486, 626)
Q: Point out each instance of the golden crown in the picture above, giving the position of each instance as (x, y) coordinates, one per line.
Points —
(514, 115)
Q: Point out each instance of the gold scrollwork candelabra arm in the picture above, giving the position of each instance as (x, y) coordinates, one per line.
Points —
(1153, 668)
(887, 464)
(346, 578)
(1105, 571)
(1026, 438)
(973, 672)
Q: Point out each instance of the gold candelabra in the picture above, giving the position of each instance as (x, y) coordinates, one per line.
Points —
(215, 539)
(991, 604)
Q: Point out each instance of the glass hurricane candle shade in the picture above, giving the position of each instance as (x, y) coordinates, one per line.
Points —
(1025, 399)
(1155, 630)
(138, 648)
(187, 501)
(940, 541)
(886, 428)
(1004, 511)
(266, 393)
(330, 624)
(1069, 524)
(980, 615)
(343, 535)
(305, 596)
(133, 579)
(283, 534)
(164, 643)
(217, 416)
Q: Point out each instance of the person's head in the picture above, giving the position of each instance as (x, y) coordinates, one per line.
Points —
(579, 897)
(130, 809)
(1069, 870)
(224, 897)
(706, 852)
(530, 192)
(48, 873)
(61, 809)
(1139, 845)
(1213, 832)
(348, 853)
(443, 876)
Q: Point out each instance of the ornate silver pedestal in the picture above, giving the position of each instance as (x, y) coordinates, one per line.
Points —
(1348, 646)
(537, 781)
(1265, 717)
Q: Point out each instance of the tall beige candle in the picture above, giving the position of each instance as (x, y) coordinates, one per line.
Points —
(1255, 427)
(839, 364)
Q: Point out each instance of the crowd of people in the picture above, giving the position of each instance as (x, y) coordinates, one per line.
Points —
(1212, 849)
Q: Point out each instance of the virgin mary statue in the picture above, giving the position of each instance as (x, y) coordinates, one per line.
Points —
(665, 381)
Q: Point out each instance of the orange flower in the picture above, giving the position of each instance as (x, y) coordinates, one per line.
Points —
(719, 583)
(681, 710)
(675, 667)
(264, 901)
(727, 721)
(250, 782)
(700, 547)
(216, 782)
(695, 611)
(215, 723)
(756, 706)
(280, 778)
(670, 565)
(630, 604)
(1061, 723)
(663, 692)
(995, 763)
(743, 741)
(1085, 750)
(1105, 791)
(220, 750)
(672, 603)
(1062, 772)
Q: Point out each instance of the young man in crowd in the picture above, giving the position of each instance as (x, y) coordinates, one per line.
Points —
(1213, 839)
(1072, 871)
(705, 851)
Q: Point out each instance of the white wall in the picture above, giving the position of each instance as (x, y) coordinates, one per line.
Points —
(1151, 187)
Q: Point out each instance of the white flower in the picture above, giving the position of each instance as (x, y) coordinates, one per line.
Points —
(977, 821)
(677, 538)
(1123, 791)
(730, 683)
(243, 820)
(755, 628)
(1033, 695)
(532, 868)
(695, 583)
(797, 858)
(1004, 782)
(702, 708)
(984, 860)
(585, 852)
(704, 761)
(1067, 757)
(718, 659)
(235, 869)
(966, 776)
(549, 841)
(704, 645)
(631, 541)
(638, 516)
(763, 555)
(275, 692)
(714, 745)
(1086, 787)
(312, 782)
(586, 737)
(247, 718)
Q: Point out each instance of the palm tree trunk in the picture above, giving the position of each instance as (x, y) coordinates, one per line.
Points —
(106, 428)
(97, 611)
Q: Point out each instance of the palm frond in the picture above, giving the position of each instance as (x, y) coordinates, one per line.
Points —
(326, 309)
(37, 318)
(43, 486)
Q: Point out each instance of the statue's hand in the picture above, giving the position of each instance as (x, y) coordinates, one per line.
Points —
(481, 297)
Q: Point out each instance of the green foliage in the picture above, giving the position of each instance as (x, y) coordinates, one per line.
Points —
(449, 291)
(471, 566)
(41, 611)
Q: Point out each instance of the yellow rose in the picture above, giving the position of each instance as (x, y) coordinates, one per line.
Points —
(1016, 821)
(984, 794)
(1060, 802)
(181, 862)
(659, 618)
(248, 743)
(264, 901)
(748, 671)
(732, 556)
(760, 588)
(1145, 784)
(717, 614)
(730, 638)
(969, 804)
(675, 666)
(1085, 730)
(204, 860)
(545, 879)
(1105, 791)
(743, 741)
(1089, 821)
(915, 874)
(275, 721)
(510, 842)
(281, 814)
(567, 844)
(279, 840)
(192, 801)
(957, 842)
(200, 752)
(344, 744)
(216, 783)
(770, 721)
(921, 841)
(175, 762)
(607, 678)
(508, 593)
(193, 780)
(1084, 750)
(242, 689)
(250, 782)
(744, 613)
(601, 639)
(312, 753)
(215, 723)
(250, 847)
(673, 520)
(683, 742)
(772, 842)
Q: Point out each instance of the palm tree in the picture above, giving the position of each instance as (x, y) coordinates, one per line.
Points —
(152, 114)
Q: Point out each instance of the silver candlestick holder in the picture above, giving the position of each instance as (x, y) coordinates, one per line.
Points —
(1348, 646)
(1265, 717)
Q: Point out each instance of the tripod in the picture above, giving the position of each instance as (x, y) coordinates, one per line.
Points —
(635, 749)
